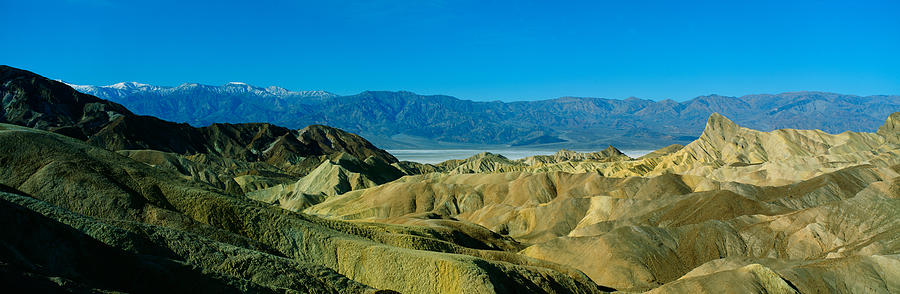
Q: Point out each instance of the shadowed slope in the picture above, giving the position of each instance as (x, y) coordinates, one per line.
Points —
(100, 184)
(35, 101)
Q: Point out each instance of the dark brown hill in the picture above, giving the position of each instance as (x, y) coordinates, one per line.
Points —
(34, 101)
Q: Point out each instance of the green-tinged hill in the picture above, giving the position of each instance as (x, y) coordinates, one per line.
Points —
(120, 214)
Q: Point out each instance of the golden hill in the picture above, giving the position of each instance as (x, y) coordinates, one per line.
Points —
(823, 199)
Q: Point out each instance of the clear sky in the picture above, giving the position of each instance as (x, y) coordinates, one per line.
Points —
(480, 50)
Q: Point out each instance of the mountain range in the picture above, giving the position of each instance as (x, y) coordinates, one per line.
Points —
(95, 198)
(398, 120)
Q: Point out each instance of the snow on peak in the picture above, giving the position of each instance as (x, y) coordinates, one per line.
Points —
(231, 88)
(79, 88)
(188, 85)
(127, 85)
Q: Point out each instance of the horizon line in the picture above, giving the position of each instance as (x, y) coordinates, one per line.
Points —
(474, 100)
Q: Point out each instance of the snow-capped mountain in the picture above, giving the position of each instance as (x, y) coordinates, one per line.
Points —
(125, 89)
(117, 90)
(201, 105)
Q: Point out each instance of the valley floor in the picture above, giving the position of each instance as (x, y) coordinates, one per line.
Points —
(434, 156)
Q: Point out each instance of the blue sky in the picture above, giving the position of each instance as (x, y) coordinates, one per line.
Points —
(480, 50)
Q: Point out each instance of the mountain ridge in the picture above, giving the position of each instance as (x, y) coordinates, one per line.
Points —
(132, 86)
(403, 119)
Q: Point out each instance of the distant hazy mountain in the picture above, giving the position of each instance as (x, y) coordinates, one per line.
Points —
(405, 119)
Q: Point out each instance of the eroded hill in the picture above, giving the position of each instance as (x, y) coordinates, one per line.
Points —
(736, 210)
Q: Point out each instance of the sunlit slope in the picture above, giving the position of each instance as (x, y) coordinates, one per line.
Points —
(825, 199)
